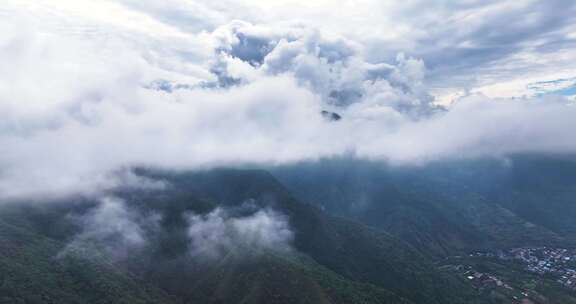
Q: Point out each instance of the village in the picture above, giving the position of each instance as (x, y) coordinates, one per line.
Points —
(560, 262)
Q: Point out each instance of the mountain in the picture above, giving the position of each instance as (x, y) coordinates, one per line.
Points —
(351, 251)
(340, 231)
(31, 271)
(329, 259)
(448, 208)
(542, 191)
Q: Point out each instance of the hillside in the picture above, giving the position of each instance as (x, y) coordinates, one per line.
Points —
(224, 236)
(31, 271)
(331, 261)
(446, 208)
(351, 250)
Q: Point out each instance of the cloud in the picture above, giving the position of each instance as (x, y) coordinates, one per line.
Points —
(476, 44)
(111, 227)
(220, 232)
(114, 228)
(84, 99)
(468, 45)
(330, 66)
(480, 127)
(565, 87)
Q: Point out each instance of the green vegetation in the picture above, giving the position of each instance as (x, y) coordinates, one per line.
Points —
(31, 271)
(411, 221)
(448, 208)
(517, 282)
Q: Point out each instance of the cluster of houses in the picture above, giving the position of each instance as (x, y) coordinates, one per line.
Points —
(542, 260)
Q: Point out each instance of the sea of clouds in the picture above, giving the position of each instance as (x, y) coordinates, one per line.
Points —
(81, 101)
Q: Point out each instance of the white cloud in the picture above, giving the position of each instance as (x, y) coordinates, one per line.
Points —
(219, 233)
(477, 126)
(111, 227)
(82, 98)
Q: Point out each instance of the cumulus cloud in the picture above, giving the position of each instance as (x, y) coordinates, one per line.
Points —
(220, 232)
(86, 98)
(330, 66)
(473, 45)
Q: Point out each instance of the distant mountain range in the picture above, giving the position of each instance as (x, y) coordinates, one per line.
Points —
(449, 207)
(355, 232)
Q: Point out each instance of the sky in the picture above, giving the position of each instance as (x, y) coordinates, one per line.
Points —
(498, 48)
(90, 89)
